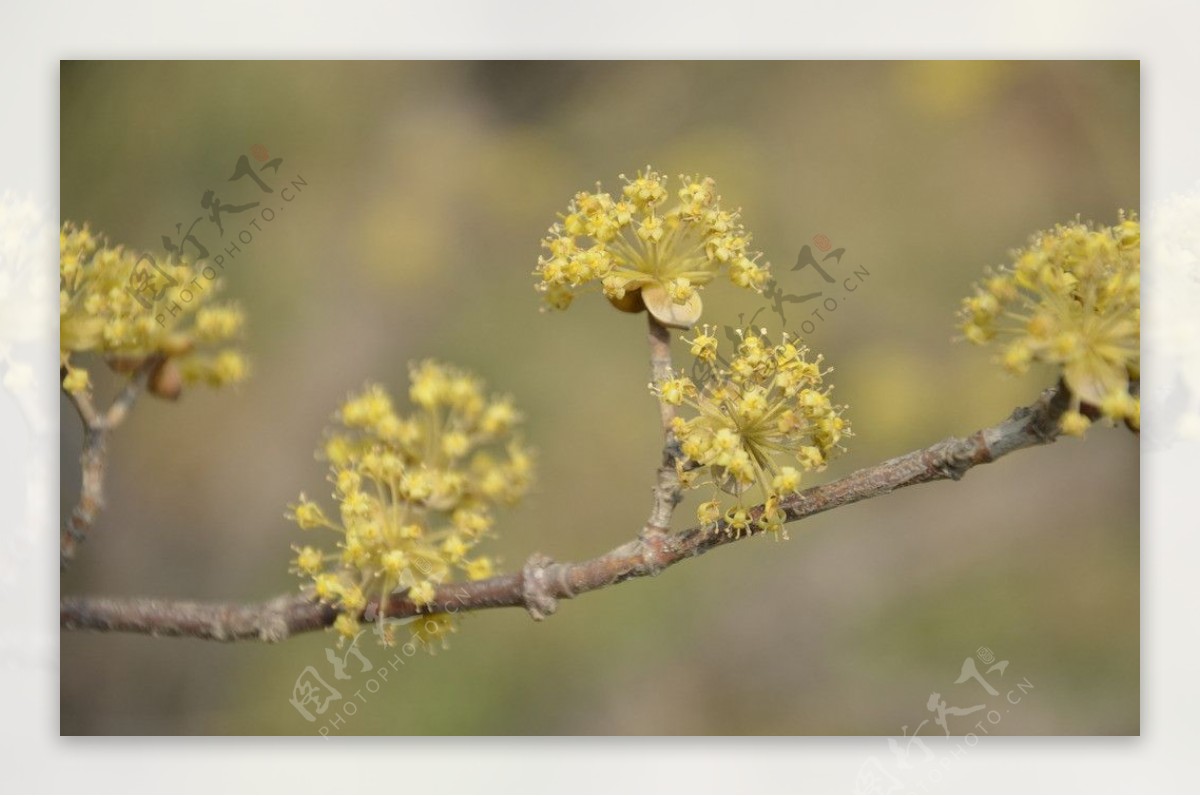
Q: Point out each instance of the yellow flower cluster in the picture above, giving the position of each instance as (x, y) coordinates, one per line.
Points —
(762, 418)
(645, 253)
(415, 495)
(125, 307)
(1071, 299)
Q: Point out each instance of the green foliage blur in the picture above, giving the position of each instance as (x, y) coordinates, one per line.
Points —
(429, 186)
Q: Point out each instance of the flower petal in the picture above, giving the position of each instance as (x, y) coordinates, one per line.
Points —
(1092, 378)
(668, 313)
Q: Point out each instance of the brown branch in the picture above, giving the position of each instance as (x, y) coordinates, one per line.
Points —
(659, 338)
(542, 583)
(667, 491)
(92, 458)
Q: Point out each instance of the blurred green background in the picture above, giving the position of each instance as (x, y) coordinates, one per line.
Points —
(429, 187)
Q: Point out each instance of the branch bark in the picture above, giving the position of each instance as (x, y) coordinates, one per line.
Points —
(92, 459)
(542, 583)
(667, 491)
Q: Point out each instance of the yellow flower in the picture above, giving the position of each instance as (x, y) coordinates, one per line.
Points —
(786, 481)
(308, 560)
(227, 367)
(414, 492)
(646, 253)
(1070, 299)
(347, 626)
(709, 512)
(759, 421)
(422, 594)
(674, 390)
(704, 345)
(124, 306)
(395, 562)
(1075, 423)
(326, 587)
(480, 568)
(499, 417)
(77, 380)
(308, 514)
(353, 600)
(431, 628)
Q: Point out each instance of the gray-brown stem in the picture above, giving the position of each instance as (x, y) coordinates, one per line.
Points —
(92, 459)
(542, 583)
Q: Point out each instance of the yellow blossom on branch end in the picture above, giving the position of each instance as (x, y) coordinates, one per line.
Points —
(1070, 299)
(126, 308)
(645, 252)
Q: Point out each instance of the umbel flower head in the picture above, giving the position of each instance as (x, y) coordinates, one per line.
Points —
(126, 307)
(762, 420)
(1070, 299)
(414, 494)
(645, 251)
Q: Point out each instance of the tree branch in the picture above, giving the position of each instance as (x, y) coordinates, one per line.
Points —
(667, 491)
(542, 583)
(95, 436)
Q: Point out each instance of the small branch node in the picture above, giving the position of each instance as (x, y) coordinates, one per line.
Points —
(955, 465)
(655, 551)
(539, 600)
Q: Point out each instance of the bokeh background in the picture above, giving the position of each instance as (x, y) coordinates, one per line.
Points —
(429, 186)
